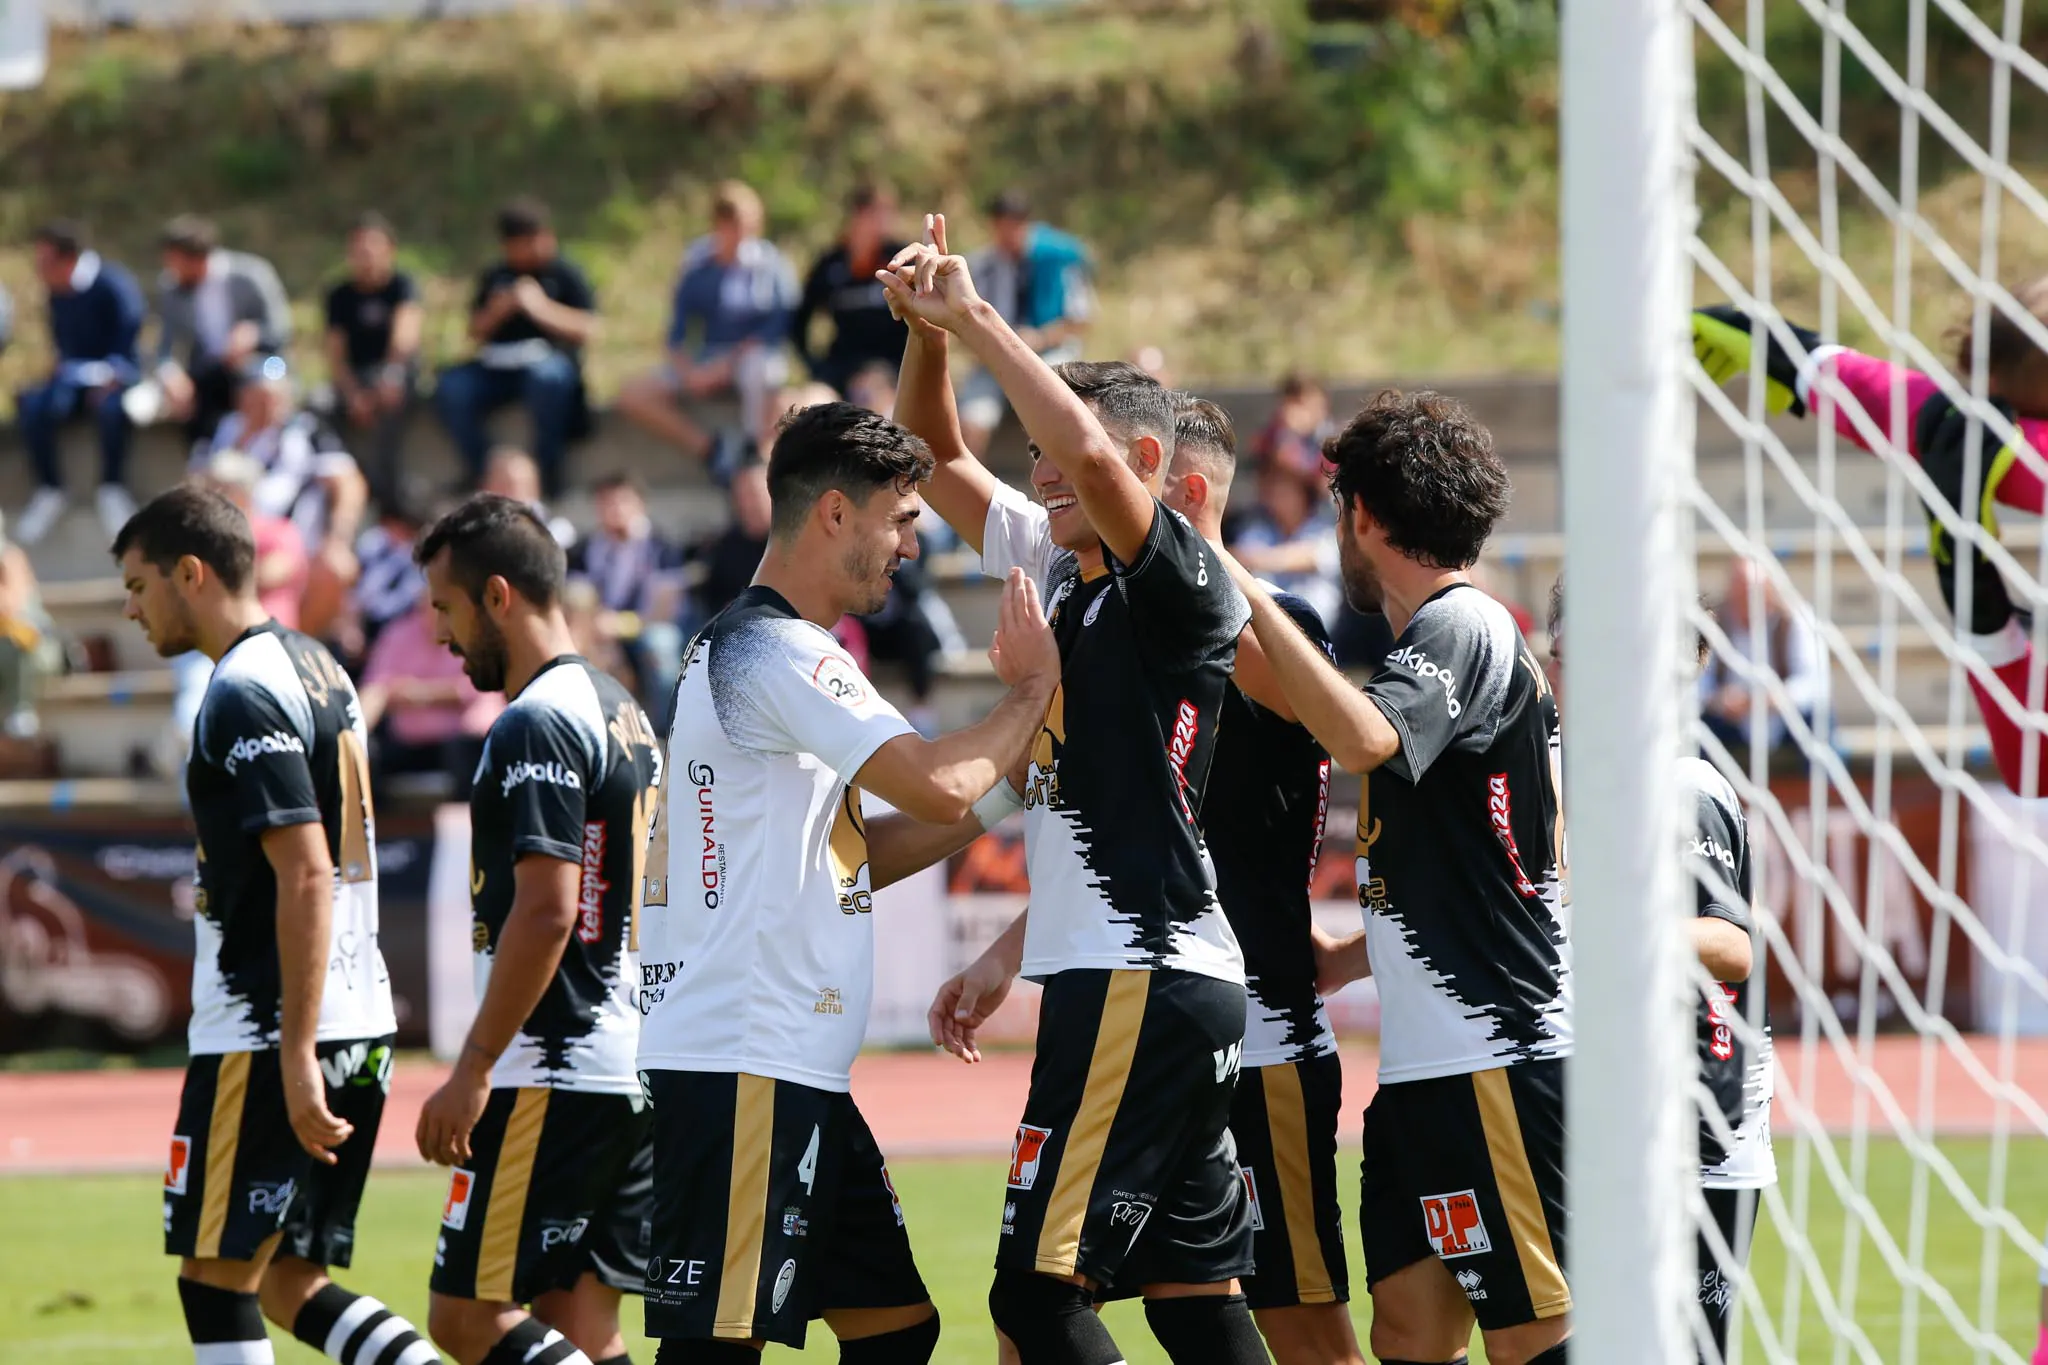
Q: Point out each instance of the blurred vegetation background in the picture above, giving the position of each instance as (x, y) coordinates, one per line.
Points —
(1360, 187)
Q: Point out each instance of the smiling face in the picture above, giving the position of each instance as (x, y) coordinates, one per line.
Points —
(465, 627)
(878, 536)
(155, 604)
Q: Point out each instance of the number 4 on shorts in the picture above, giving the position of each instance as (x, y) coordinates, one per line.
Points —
(807, 1165)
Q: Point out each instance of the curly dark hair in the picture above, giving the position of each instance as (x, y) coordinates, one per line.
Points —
(841, 447)
(1426, 470)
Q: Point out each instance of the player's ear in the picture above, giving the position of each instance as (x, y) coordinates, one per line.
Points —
(187, 572)
(1197, 486)
(497, 595)
(1146, 456)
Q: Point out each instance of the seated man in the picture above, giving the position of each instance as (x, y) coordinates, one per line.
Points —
(373, 347)
(512, 473)
(216, 311)
(281, 564)
(533, 314)
(636, 572)
(423, 713)
(842, 286)
(1037, 278)
(96, 312)
(734, 297)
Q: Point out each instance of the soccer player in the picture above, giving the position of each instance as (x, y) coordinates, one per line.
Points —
(542, 1118)
(1937, 433)
(1123, 1171)
(1460, 853)
(269, 1154)
(1737, 1075)
(773, 1204)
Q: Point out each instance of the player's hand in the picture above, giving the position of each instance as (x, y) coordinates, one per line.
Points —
(929, 283)
(1023, 647)
(450, 1114)
(305, 1105)
(920, 328)
(1724, 341)
(964, 1004)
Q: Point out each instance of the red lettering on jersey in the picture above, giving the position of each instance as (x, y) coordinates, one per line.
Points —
(1721, 1043)
(1499, 806)
(590, 907)
(1186, 722)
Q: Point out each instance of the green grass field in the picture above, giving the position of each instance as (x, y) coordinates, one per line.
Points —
(85, 1284)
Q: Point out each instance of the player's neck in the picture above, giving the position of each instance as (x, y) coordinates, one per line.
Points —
(1405, 591)
(802, 586)
(532, 639)
(236, 618)
(1090, 561)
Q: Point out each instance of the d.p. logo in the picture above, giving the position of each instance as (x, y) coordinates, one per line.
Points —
(1453, 1225)
(1024, 1155)
(179, 1164)
(455, 1213)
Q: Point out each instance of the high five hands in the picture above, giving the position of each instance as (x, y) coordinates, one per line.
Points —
(927, 286)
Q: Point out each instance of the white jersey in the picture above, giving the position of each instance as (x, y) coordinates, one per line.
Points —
(280, 742)
(1121, 878)
(758, 952)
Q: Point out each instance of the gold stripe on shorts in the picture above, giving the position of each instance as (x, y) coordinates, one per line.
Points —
(1548, 1294)
(223, 1141)
(746, 1207)
(1109, 1071)
(497, 1252)
(1287, 1130)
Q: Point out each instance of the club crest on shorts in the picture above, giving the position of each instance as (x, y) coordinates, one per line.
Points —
(1024, 1155)
(179, 1166)
(1251, 1193)
(784, 1278)
(1453, 1225)
(455, 1213)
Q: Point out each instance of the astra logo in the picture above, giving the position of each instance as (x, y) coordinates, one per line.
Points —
(557, 774)
(256, 746)
(1416, 662)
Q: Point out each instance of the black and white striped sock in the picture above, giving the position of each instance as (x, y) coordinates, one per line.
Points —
(533, 1342)
(355, 1329)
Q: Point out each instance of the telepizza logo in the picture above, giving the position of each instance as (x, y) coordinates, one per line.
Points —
(1186, 724)
(455, 1213)
(590, 902)
(1500, 809)
(1721, 1042)
(1025, 1152)
(179, 1166)
(1453, 1225)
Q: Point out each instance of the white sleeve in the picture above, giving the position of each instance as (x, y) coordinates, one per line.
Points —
(806, 695)
(1017, 534)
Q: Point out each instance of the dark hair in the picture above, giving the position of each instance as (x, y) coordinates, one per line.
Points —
(865, 194)
(1201, 424)
(489, 535)
(1129, 402)
(618, 479)
(1011, 203)
(525, 216)
(191, 234)
(192, 519)
(1295, 384)
(829, 447)
(1426, 470)
(369, 220)
(64, 236)
(2008, 349)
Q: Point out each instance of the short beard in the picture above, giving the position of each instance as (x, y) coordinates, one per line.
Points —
(183, 635)
(869, 597)
(1363, 590)
(486, 659)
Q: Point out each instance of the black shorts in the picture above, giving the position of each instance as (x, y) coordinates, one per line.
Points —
(1470, 1169)
(772, 1207)
(235, 1166)
(1123, 1169)
(321, 1226)
(1285, 1121)
(558, 1184)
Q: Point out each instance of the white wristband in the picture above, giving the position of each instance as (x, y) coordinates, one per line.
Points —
(997, 804)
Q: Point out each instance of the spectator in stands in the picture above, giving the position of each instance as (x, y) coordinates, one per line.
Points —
(874, 388)
(637, 572)
(512, 473)
(388, 583)
(1293, 437)
(306, 478)
(373, 348)
(533, 313)
(721, 567)
(842, 286)
(96, 312)
(1784, 641)
(1040, 280)
(216, 311)
(281, 563)
(28, 645)
(585, 616)
(1290, 538)
(725, 337)
(423, 713)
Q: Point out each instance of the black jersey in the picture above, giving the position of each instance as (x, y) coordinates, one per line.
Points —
(1737, 1075)
(279, 741)
(1262, 815)
(1461, 849)
(569, 772)
(1120, 877)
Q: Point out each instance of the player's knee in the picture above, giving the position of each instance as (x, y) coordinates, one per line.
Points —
(288, 1282)
(464, 1328)
(1047, 1318)
(912, 1345)
(1394, 1347)
(1309, 1334)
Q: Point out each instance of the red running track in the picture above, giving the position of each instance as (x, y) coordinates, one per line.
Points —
(919, 1103)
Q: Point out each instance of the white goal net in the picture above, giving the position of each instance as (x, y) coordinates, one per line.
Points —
(1871, 177)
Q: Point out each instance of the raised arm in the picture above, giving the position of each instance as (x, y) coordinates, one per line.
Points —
(961, 487)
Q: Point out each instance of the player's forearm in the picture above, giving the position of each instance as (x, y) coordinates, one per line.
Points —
(1067, 433)
(960, 486)
(899, 846)
(938, 781)
(1343, 720)
(1339, 961)
(529, 950)
(305, 910)
(1007, 952)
